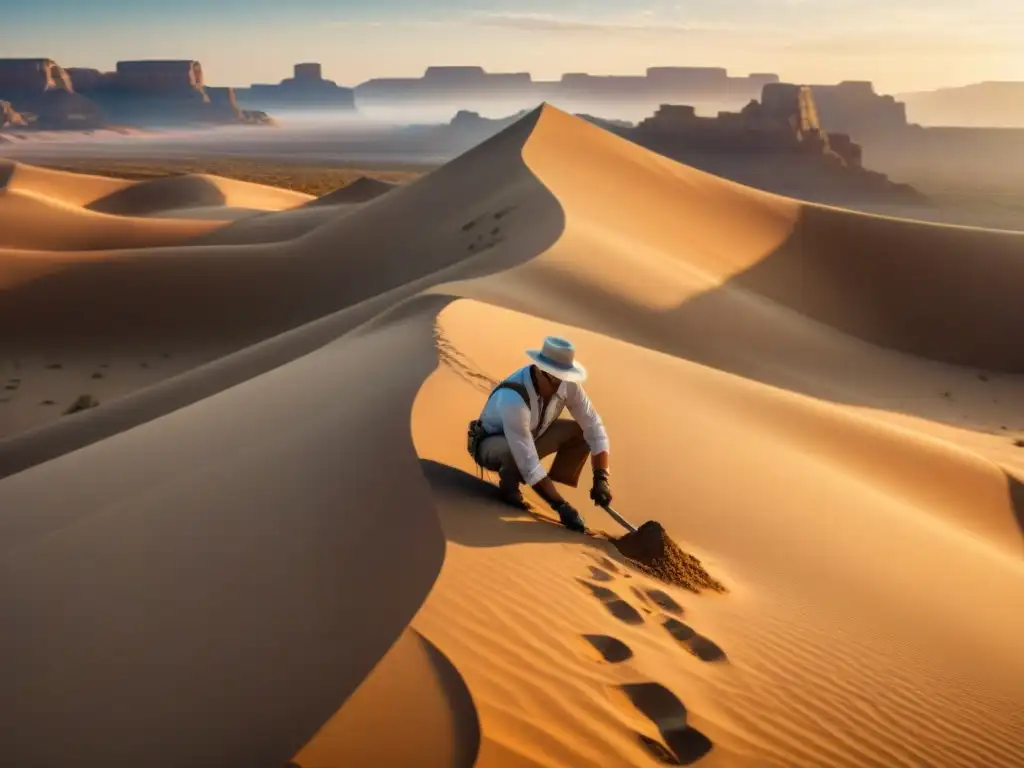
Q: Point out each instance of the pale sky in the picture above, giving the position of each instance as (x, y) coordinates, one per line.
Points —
(899, 44)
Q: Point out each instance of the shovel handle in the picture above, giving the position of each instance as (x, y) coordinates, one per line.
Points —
(619, 518)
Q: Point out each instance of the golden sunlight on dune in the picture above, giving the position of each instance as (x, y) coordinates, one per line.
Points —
(240, 526)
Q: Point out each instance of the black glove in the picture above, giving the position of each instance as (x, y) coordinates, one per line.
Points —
(601, 493)
(570, 517)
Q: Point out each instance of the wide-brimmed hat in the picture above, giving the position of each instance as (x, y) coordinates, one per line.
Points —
(558, 357)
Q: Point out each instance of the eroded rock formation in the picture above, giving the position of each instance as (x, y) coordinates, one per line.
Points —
(224, 101)
(477, 87)
(143, 93)
(42, 92)
(854, 107)
(9, 117)
(33, 75)
(784, 121)
(160, 76)
(306, 90)
(778, 144)
(161, 92)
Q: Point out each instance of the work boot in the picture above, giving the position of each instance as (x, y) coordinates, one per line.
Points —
(509, 488)
(510, 493)
(514, 498)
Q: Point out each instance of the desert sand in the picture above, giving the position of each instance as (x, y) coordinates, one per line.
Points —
(266, 545)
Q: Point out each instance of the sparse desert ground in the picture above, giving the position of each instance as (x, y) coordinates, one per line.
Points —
(963, 202)
(312, 179)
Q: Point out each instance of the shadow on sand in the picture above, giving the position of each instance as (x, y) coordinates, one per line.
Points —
(1016, 491)
(685, 744)
(930, 315)
(471, 514)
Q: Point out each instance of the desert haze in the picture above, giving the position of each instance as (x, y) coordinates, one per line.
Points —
(240, 525)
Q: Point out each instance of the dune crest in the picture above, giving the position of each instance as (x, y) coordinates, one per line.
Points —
(381, 725)
(195, 191)
(73, 188)
(810, 433)
(361, 190)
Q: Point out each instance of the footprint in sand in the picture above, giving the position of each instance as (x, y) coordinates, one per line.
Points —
(606, 564)
(700, 646)
(639, 595)
(684, 744)
(665, 601)
(611, 649)
(597, 574)
(645, 603)
(616, 606)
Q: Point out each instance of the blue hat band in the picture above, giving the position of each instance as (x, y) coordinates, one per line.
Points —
(542, 358)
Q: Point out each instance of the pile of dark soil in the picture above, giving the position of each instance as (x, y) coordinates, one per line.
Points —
(651, 551)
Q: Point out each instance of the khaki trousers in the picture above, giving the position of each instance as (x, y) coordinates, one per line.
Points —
(564, 438)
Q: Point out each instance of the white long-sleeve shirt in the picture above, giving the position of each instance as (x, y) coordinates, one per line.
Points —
(505, 412)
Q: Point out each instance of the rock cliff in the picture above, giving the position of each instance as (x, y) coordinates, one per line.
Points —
(224, 102)
(784, 121)
(42, 92)
(306, 90)
(159, 93)
(153, 76)
(777, 144)
(9, 117)
(33, 75)
(475, 88)
(854, 107)
(145, 93)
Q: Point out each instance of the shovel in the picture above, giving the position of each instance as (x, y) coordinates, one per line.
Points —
(619, 518)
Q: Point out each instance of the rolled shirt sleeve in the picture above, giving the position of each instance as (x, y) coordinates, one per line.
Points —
(515, 420)
(582, 410)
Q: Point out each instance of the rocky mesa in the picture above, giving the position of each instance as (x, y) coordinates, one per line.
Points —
(306, 90)
(9, 116)
(41, 91)
(161, 92)
(151, 93)
(776, 144)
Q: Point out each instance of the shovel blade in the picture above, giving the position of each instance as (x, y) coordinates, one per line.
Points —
(620, 519)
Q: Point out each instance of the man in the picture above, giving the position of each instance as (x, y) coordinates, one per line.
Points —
(519, 425)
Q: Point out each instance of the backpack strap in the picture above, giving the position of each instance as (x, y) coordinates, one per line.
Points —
(476, 433)
(515, 386)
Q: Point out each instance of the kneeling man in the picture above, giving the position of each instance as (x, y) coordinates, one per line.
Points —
(520, 424)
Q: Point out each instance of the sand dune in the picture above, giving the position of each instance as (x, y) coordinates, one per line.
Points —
(196, 304)
(361, 190)
(276, 227)
(31, 221)
(195, 190)
(75, 189)
(791, 390)
(45, 210)
(382, 725)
